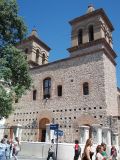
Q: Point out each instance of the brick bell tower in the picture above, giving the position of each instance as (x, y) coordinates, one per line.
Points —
(91, 37)
(36, 50)
(92, 34)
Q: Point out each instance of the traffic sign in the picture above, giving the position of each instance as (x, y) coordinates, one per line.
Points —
(59, 132)
(53, 126)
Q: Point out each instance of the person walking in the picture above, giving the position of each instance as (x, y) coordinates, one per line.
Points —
(87, 153)
(8, 150)
(99, 151)
(113, 153)
(77, 149)
(104, 153)
(16, 148)
(51, 151)
(2, 150)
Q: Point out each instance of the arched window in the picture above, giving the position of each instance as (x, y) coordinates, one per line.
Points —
(43, 58)
(46, 88)
(85, 88)
(80, 36)
(37, 56)
(91, 33)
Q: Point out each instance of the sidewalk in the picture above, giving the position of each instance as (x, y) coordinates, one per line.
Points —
(30, 158)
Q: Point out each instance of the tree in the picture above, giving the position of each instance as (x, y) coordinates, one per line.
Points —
(14, 70)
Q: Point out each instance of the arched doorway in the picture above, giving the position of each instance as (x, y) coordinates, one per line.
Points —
(42, 129)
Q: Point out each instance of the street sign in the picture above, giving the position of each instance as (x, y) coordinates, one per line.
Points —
(53, 126)
(59, 132)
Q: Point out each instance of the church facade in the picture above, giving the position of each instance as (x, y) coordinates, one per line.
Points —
(79, 92)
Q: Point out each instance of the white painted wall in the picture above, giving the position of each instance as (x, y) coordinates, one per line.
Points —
(40, 150)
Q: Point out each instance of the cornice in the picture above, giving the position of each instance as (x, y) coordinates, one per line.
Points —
(93, 43)
(37, 40)
(100, 12)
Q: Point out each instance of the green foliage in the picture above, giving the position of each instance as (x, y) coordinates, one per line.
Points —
(5, 102)
(12, 28)
(14, 71)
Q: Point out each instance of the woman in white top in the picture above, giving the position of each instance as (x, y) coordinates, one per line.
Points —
(16, 148)
(99, 150)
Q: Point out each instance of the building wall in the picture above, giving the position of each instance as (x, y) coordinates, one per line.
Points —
(110, 87)
(68, 109)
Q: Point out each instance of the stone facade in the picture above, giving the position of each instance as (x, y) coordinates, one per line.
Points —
(91, 62)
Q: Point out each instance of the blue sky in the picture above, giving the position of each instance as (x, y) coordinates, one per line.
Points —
(50, 18)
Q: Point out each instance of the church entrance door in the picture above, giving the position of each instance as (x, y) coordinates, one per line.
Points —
(42, 129)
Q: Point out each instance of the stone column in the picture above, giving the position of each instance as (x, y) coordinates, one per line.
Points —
(104, 135)
(47, 137)
(17, 131)
(116, 140)
(84, 131)
(2, 125)
(109, 137)
(98, 132)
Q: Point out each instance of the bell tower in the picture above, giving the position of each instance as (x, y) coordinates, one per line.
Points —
(90, 29)
(91, 37)
(36, 50)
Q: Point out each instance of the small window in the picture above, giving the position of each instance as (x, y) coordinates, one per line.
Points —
(80, 37)
(91, 33)
(34, 94)
(16, 100)
(43, 58)
(59, 90)
(37, 56)
(46, 88)
(85, 88)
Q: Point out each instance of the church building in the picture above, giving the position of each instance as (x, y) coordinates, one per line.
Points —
(79, 93)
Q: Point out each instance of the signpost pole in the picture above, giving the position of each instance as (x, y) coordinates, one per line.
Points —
(57, 144)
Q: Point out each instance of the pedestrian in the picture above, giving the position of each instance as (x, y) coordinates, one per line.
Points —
(16, 148)
(99, 151)
(51, 151)
(8, 150)
(77, 149)
(87, 153)
(11, 148)
(113, 153)
(2, 150)
(5, 138)
(104, 153)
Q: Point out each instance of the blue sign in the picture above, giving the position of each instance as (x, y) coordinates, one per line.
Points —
(53, 126)
(59, 132)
